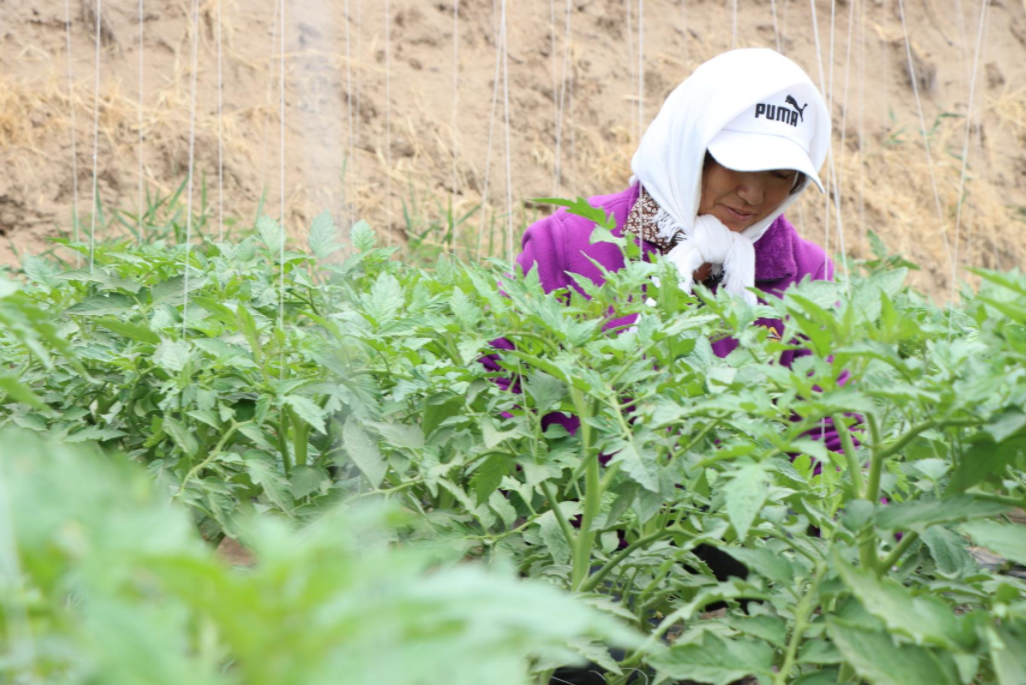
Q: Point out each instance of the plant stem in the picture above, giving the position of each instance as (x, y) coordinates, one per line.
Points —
(907, 540)
(849, 454)
(211, 457)
(592, 494)
(875, 462)
(564, 524)
(801, 623)
(709, 427)
(283, 445)
(299, 439)
(594, 580)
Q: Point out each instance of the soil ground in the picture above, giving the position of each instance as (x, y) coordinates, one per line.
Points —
(379, 124)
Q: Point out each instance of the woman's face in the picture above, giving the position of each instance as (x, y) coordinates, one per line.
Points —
(742, 198)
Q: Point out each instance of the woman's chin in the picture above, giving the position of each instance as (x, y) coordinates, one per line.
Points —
(734, 225)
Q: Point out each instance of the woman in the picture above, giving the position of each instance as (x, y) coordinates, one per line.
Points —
(731, 149)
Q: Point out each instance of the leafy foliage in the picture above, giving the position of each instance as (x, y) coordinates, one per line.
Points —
(356, 378)
(116, 587)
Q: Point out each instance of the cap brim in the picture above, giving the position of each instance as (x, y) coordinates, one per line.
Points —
(761, 152)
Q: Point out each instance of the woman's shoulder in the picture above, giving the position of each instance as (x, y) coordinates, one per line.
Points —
(783, 255)
(561, 242)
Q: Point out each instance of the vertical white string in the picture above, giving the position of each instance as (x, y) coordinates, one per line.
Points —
(733, 26)
(641, 68)
(271, 66)
(783, 27)
(388, 121)
(350, 161)
(922, 129)
(823, 89)
(74, 143)
(562, 100)
(96, 141)
(455, 113)
(571, 126)
(142, 20)
(844, 94)
(979, 110)
(833, 30)
(862, 116)
(509, 161)
(979, 136)
(281, 170)
(839, 178)
(630, 48)
(491, 129)
(220, 130)
(684, 30)
(965, 147)
(555, 97)
(191, 174)
(776, 29)
(358, 86)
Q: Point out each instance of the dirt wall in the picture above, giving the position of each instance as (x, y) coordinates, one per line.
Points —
(386, 133)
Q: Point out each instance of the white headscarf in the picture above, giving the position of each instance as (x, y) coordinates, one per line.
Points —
(670, 157)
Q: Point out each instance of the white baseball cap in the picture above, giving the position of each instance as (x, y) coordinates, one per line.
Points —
(776, 133)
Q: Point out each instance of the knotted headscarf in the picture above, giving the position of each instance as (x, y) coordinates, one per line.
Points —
(671, 155)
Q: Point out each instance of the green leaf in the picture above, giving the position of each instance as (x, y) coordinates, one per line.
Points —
(487, 477)
(982, 459)
(401, 435)
(545, 390)
(582, 208)
(130, 330)
(819, 652)
(94, 433)
(40, 270)
(768, 628)
(1009, 655)
(493, 437)
(501, 506)
(271, 234)
(181, 436)
(827, 676)
(948, 551)
(1004, 539)
(172, 355)
(745, 493)
(641, 467)
(322, 235)
(917, 515)
(925, 619)
(385, 299)
(308, 410)
(308, 479)
(364, 452)
(263, 470)
(716, 661)
(21, 393)
(766, 562)
(361, 235)
(207, 416)
(259, 437)
(876, 657)
(172, 291)
(1006, 425)
(552, 534)
(102, 305)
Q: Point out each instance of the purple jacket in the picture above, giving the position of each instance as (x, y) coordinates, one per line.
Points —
(558, 246)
